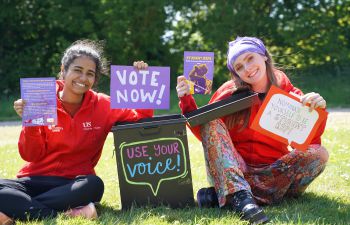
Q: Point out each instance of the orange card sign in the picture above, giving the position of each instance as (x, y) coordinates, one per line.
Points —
(283, 118)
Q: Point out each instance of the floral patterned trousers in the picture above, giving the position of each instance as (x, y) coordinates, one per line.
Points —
(228, 173)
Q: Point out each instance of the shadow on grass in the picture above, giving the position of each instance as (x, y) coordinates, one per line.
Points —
(310, 208)
(46, 221)
(138, 215)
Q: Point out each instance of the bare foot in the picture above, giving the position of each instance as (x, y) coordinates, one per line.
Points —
(88, 211)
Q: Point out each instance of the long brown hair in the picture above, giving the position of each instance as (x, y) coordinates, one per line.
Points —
(241, 118)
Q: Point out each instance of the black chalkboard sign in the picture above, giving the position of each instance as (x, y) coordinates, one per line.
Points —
(153, 162)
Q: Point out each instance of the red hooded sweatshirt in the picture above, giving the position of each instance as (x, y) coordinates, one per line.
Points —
(73, 146)
(255, 148)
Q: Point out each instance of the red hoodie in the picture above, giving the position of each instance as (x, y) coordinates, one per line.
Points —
(74, 146)
(255, 148)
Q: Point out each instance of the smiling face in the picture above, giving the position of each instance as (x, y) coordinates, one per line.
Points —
(251, 68)
(79, 77)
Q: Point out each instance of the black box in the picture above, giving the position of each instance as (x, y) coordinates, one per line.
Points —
(153, 162)
(234, 103)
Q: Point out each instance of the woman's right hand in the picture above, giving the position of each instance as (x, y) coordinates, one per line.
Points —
(182, 87)
(140, 65)
(18, 106)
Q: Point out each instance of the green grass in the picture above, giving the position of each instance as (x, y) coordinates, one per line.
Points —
(334, 89)
(326, 201)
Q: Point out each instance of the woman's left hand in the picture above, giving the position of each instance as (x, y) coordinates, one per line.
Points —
(140, 65)
(315, 100)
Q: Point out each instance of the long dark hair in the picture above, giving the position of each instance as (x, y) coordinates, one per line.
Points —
(88, 48)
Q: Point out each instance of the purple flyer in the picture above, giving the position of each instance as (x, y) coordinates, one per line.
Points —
(140, 89)
(40, 97)
(199, 71)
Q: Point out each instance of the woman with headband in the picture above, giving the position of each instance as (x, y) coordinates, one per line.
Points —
(245, 168)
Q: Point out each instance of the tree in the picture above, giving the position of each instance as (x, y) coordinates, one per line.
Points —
(300, 34)
(35, 33)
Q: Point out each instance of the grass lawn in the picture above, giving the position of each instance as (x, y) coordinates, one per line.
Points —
(326, 201)
(334, 89)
